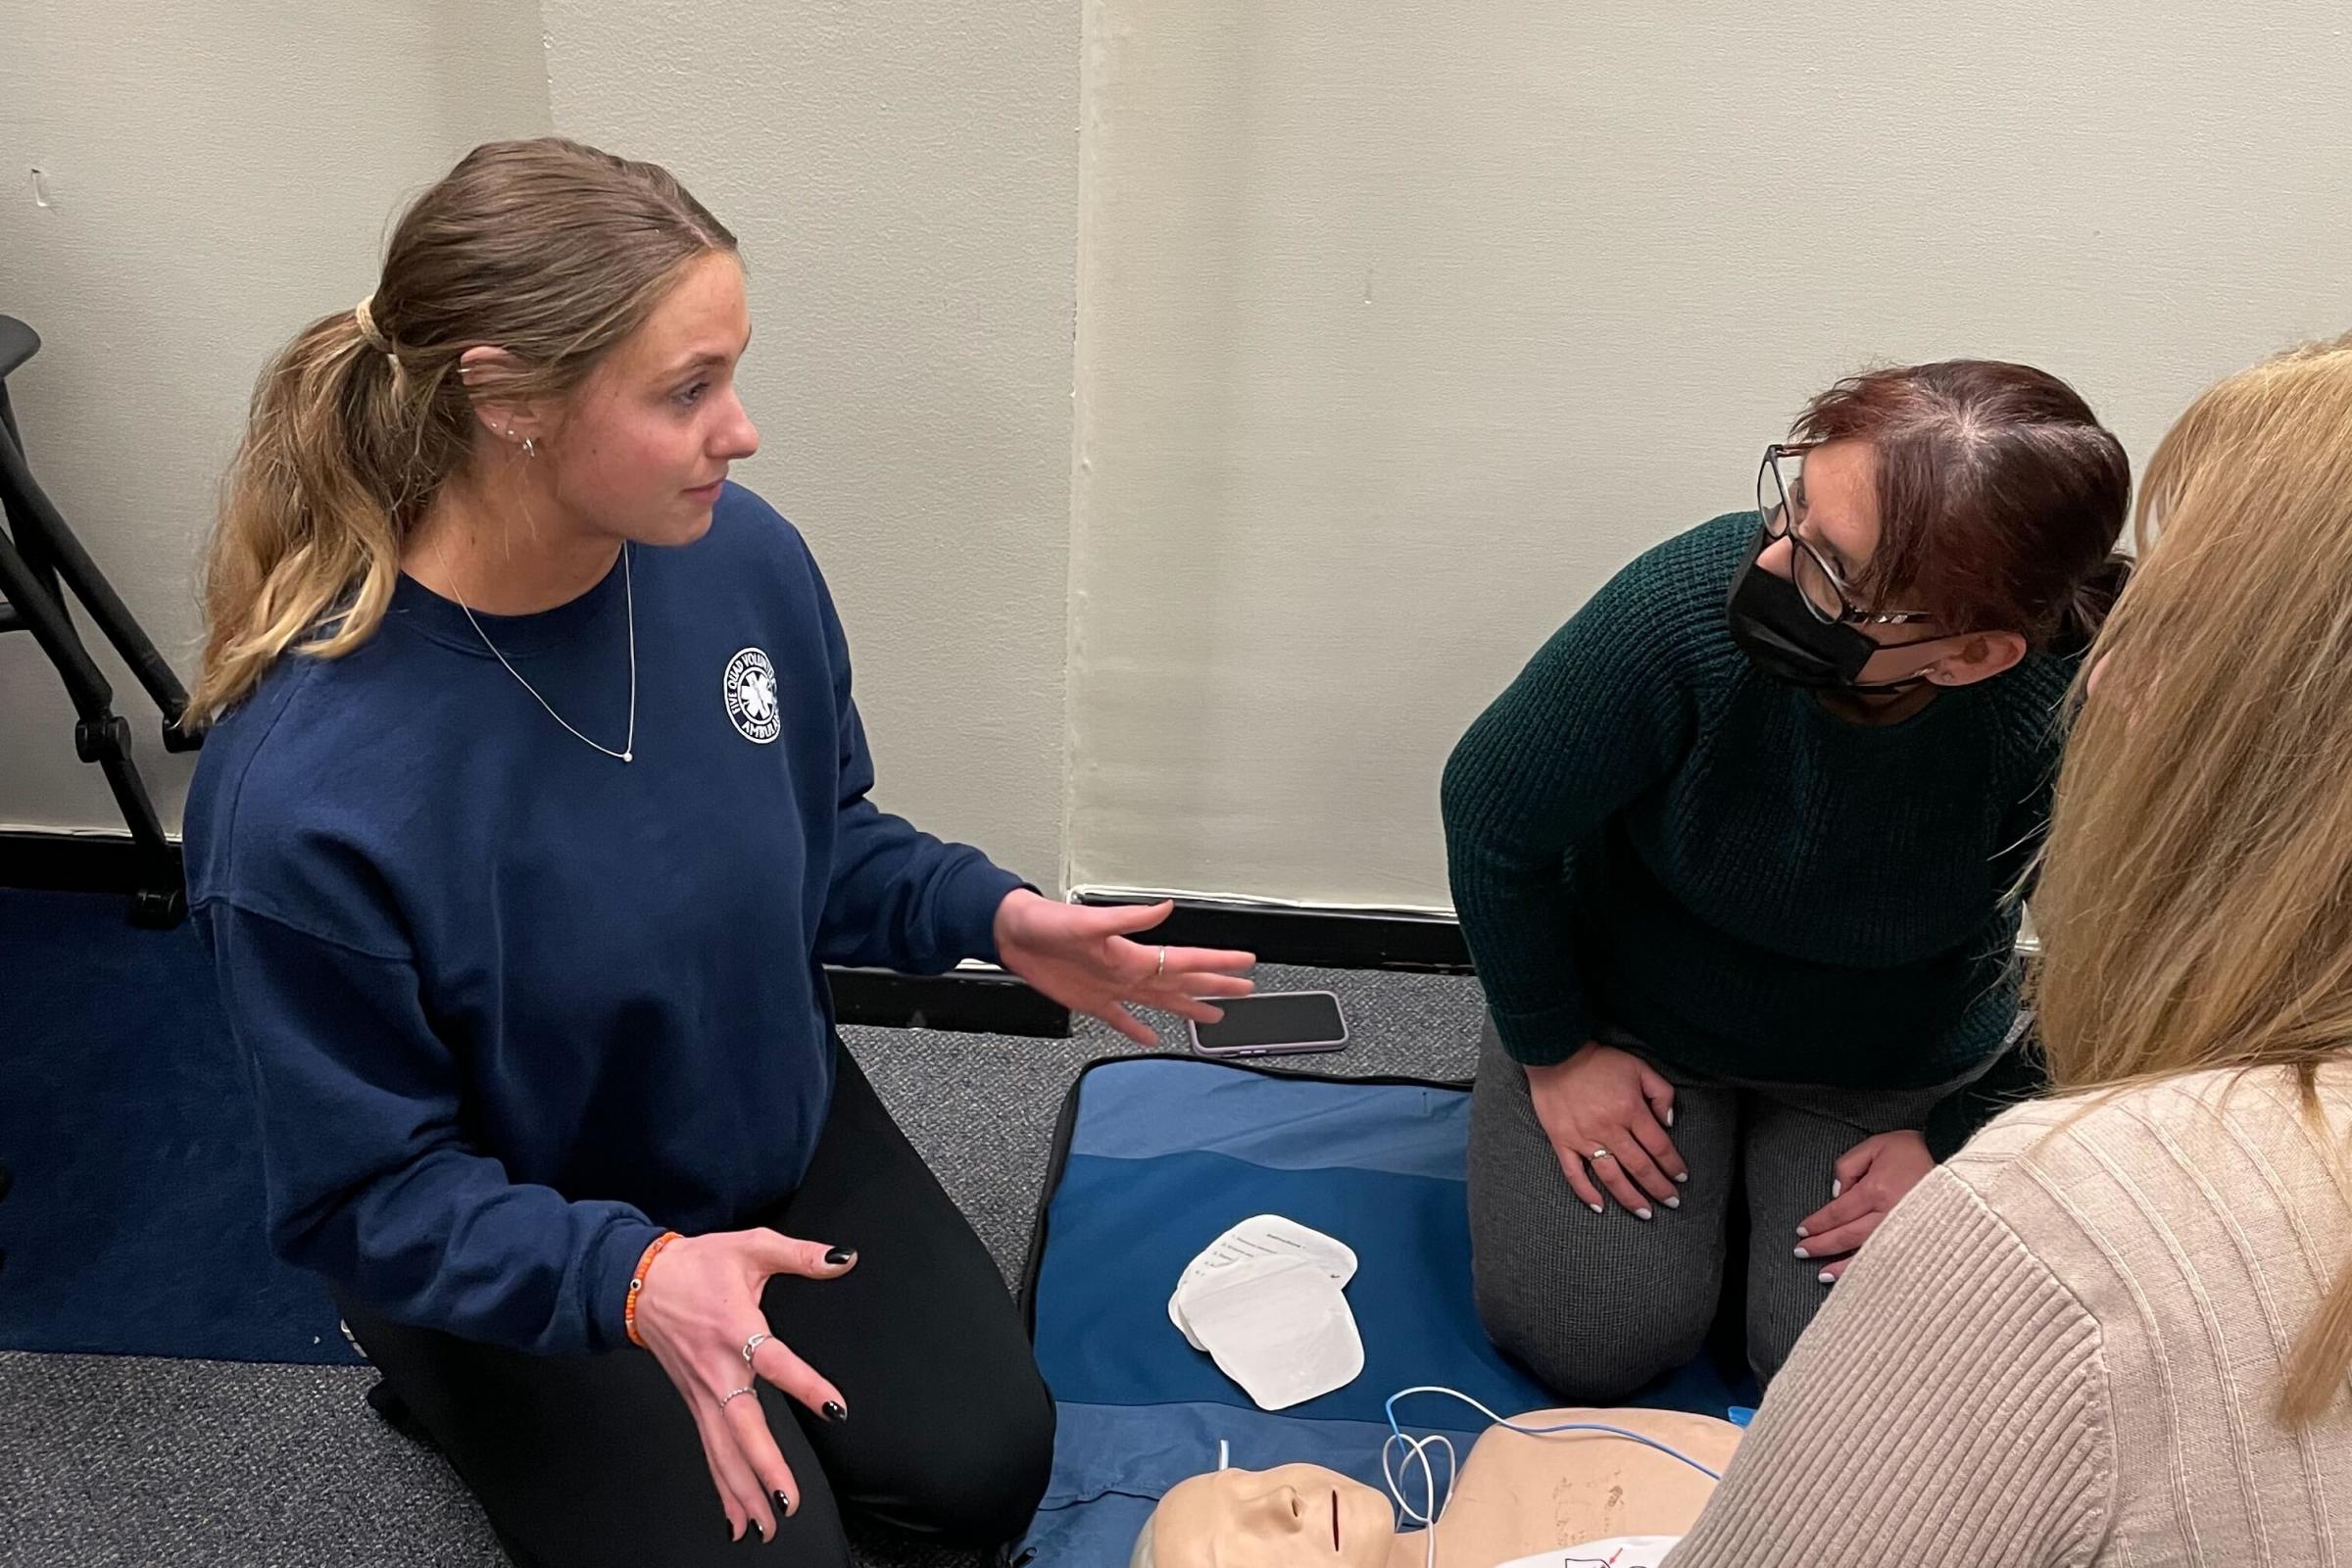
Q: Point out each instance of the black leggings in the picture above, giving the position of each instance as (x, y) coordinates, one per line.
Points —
(593, 1460)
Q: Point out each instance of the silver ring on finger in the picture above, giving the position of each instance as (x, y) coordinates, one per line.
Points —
(1600, 1153)
(1161, 973)
(752, 1345)
(735, 1394)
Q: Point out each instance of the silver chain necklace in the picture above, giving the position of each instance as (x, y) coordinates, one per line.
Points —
(629, 747)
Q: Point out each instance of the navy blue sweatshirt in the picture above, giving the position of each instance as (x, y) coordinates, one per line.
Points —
(513, 1008)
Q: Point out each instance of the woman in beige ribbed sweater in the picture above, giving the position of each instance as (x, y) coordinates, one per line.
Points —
(2117, 1326)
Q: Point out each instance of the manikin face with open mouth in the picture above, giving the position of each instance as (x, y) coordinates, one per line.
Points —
(1297, 1515)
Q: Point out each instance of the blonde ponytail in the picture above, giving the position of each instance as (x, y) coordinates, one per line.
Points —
(548, 249)
(308, 511)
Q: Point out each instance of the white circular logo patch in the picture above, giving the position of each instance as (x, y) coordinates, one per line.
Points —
(752, 697)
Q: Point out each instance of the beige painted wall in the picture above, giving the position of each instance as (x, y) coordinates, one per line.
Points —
(1399, 325)
(1403, 325)
(903, 180)
(221, 173)
(904, 184)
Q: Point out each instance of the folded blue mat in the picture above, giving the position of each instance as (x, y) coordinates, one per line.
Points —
(127, 1115)
(1157, 1155)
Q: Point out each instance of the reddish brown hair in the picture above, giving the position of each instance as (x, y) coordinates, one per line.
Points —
(2001, 495)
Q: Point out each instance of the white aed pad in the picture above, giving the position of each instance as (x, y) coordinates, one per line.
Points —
(1261, 1236)
(1279, 1327)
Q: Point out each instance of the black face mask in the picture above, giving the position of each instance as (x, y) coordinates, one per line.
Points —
(1791, 644)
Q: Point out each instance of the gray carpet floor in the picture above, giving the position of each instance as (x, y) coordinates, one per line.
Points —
(111, 1461)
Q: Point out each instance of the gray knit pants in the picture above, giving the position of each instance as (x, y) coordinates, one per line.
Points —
(1598, 1305)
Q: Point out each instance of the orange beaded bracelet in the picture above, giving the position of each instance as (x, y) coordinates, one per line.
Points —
(628, 1313)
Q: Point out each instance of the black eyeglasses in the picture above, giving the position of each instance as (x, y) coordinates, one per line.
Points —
(1818, 583)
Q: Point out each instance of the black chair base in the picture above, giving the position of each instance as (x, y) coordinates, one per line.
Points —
(40, 560)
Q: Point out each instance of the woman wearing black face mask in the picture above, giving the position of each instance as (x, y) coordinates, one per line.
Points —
(1731, 853)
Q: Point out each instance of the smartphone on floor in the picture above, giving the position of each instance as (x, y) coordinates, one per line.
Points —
(1284, 1023)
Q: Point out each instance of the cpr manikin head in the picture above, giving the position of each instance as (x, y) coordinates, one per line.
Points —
(1299, 1514)
(1562, 1478)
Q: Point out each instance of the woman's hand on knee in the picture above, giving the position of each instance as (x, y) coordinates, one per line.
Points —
(1606, 1112)
(1865, 1185)
(699, 1313)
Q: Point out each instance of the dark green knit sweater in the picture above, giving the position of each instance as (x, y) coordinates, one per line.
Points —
(1644, 832)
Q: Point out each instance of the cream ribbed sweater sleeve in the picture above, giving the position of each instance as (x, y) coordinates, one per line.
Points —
(1946, 1408)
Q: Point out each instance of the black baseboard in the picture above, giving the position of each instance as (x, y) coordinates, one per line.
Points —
(1310, 938)
(967, 1001)
(73, 862)
(964, 1001)
(109, 864)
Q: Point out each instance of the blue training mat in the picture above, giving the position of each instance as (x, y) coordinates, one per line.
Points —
(1158, 1156)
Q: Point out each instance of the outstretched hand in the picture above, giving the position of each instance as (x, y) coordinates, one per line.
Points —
(1082, 958)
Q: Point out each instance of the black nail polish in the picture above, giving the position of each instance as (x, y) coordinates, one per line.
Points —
(835, 1413)
(841, 1255)
(784, 1502)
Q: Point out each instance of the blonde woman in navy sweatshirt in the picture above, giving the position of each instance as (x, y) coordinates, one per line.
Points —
(534, 801)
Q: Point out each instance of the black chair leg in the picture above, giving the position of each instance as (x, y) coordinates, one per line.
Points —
(52, 551)
(41, 561)
(100, 736)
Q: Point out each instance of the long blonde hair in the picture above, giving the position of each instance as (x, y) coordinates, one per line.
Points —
(2196, 894)
(549, 250)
